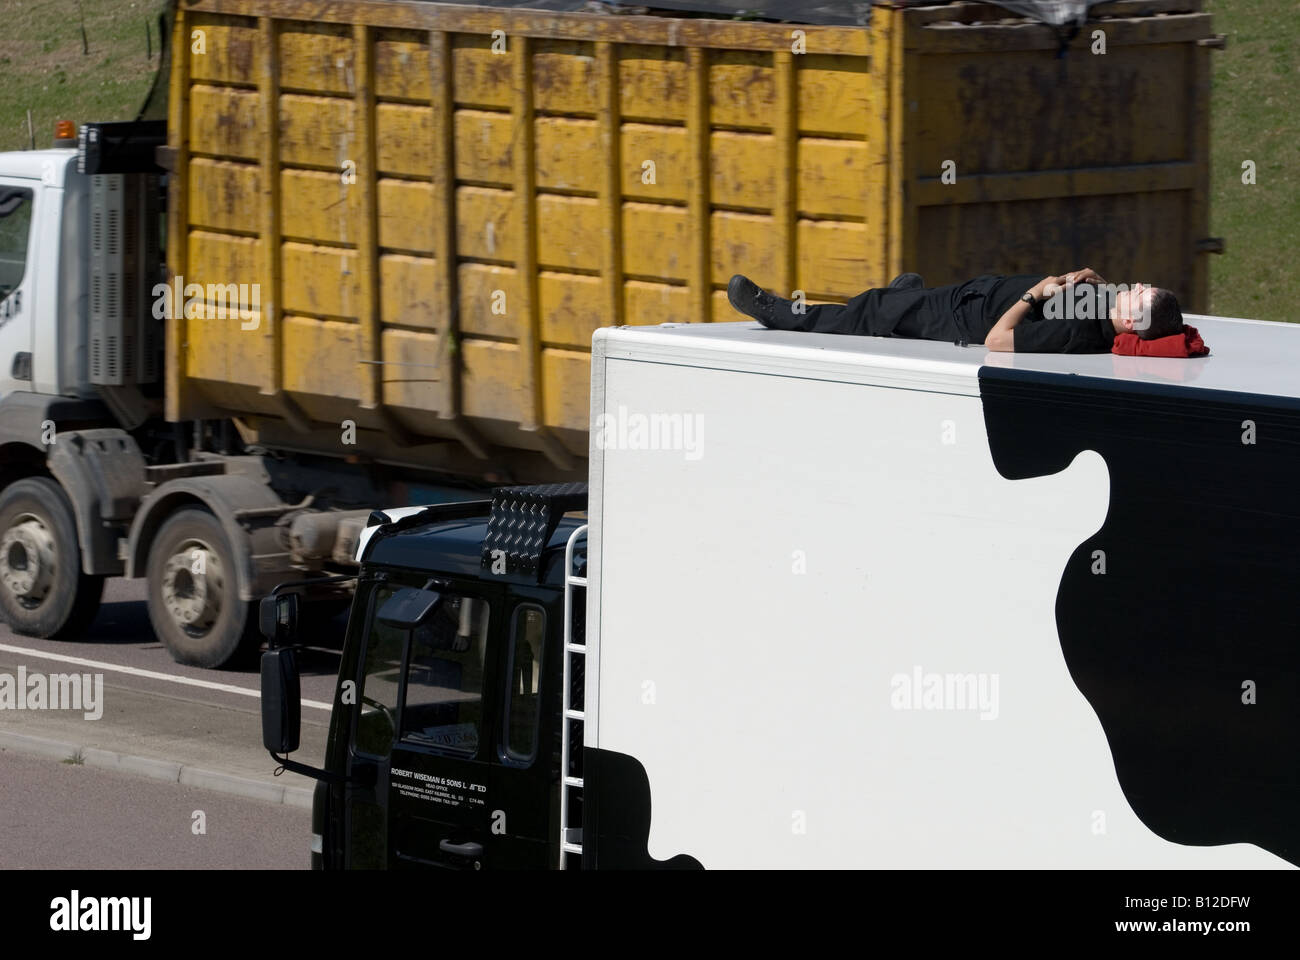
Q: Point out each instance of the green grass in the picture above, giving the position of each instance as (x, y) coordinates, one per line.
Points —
(1254, 117)
(43, 68)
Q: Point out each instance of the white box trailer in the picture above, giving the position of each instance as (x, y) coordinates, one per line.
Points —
(864, 602)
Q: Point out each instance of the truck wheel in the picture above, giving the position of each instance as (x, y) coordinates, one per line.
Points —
(43, 592)
(194, 600)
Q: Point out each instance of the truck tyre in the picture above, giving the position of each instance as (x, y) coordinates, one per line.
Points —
(43, 592)
(193, 594)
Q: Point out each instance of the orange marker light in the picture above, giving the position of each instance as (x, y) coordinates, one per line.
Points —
(64, 130)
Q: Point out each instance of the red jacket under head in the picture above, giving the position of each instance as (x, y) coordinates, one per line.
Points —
(1185, 344)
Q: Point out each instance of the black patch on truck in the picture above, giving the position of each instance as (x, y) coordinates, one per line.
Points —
(616, 806)
(1196, 613)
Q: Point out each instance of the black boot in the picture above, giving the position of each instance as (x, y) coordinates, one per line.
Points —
(907, 281)
(769, 310)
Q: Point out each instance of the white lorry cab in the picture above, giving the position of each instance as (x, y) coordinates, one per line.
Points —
(841, 602)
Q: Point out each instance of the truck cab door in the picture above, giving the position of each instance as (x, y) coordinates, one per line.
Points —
(471, 780)
(416, 776)
(417, 773)
(438, 776)
(449, 760)
(18, 250)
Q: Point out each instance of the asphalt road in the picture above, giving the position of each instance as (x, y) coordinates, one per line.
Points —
(61, 816)
(154, 707)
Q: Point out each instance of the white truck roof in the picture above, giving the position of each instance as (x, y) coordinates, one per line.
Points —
(1246, 356)
(51, 165)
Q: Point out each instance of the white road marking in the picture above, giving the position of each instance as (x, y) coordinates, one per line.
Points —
(151, 674)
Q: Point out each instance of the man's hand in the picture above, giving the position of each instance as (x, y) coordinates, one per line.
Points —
(1002, 336)
(1048, 286)
(1086, 275)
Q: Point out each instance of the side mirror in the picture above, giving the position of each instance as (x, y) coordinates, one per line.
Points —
(277, 617)
(281, 699)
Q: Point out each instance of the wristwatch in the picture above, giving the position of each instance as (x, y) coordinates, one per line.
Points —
(1029, 298)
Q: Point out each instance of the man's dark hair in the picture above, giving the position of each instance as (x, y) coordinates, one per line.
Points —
(1166, 316)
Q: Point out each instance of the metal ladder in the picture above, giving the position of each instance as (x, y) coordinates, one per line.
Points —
(570, 837)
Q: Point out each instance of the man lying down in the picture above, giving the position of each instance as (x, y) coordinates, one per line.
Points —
(1076, 312)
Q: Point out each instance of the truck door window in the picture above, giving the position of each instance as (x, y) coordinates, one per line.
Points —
(15, 226)
(444, 679)
(524, 676)
(379, 683)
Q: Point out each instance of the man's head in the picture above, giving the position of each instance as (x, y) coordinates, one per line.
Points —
(1150, 312)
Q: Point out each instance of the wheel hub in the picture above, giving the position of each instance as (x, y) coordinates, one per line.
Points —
(193, 583)
(27, 556)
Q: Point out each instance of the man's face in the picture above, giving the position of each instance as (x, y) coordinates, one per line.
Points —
(1133, 307)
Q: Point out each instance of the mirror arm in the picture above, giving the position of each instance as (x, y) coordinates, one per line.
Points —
(309, 771)
(313, 582)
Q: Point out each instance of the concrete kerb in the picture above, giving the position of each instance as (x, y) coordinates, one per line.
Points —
(168, 770)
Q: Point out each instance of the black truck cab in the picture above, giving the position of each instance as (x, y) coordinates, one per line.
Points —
(444, 745)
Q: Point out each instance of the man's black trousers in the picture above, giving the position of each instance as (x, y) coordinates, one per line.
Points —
(956, 313)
